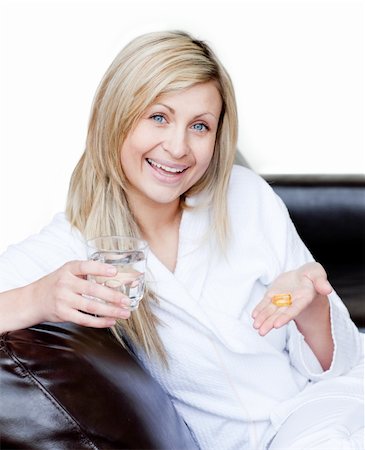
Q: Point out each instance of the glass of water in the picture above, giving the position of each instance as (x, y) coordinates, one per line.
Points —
(129, 256)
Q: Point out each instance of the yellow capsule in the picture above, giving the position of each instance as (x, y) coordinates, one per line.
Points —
(282, 300)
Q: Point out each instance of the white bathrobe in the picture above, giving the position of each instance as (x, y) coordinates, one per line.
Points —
(233, 387)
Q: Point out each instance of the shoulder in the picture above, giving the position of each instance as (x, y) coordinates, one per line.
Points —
(254, 206)
(257, 213)
(59, 235)
(41, 253)
(240, 174)
(61, 228)
(249, 188)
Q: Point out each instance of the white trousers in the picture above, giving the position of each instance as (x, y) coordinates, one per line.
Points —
(328, 416)
(323, 424)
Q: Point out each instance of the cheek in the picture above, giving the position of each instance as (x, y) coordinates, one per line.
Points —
(143, 137)
(132, 149)
(139, 142)
(207, 155)
(134, 137)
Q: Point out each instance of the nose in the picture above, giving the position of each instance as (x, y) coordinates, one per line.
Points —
(176, 143)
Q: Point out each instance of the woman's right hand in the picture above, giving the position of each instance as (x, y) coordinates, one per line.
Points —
(67, 296)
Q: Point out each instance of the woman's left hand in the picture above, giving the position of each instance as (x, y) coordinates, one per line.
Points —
(304, 285)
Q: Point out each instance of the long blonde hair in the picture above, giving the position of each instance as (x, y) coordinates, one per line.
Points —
(150, 65)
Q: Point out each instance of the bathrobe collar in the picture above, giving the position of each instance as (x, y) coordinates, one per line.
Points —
(181, 293)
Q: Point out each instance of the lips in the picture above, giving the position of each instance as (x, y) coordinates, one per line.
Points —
(167, 169)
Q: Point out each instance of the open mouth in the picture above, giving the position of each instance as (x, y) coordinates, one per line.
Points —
(167, 170)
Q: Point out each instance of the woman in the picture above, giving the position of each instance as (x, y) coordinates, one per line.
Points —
(243, 369)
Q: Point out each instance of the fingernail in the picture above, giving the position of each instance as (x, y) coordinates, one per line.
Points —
(111, 323)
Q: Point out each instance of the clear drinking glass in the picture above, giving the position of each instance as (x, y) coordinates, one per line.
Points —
(129, 256)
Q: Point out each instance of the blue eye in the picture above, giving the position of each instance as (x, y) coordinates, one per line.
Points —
(159, 118)
(200, 127)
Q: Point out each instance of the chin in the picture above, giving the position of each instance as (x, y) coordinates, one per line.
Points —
(163, 196)
(164, 200)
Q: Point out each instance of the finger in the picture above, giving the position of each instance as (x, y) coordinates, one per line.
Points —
(276, 320)
(91, 268)
(263, 314)
(287, 313)
(261, 306)
(283, 318)
(276, 317)
(99, 308)
(87, 320)
(266, 302)
(96, 290)
(318, 276)
(322, 285)
(74, 302)
(268, 324)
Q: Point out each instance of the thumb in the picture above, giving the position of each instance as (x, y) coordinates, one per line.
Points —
(318, 277)
(322, 285)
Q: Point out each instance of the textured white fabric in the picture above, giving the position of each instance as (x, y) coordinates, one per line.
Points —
(324, 416)
(323, 424)
(328, 416)
(41, 254)
(233, 387)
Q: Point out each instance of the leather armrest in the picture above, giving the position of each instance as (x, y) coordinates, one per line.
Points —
(68, 387)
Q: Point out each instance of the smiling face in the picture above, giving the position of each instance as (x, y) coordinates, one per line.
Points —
(172, 144)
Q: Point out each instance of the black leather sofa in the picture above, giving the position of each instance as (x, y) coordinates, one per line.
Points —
(67, 387)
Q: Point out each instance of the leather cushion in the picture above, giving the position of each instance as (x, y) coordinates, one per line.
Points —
(67, 387)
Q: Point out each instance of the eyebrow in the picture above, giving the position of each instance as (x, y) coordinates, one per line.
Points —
(173, 111)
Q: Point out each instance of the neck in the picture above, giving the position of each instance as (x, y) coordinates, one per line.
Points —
(154, 218)
(159, 224)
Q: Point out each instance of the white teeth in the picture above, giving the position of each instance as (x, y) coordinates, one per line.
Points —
(166, 168)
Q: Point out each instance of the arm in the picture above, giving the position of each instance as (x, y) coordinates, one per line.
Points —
(314, 324)
(284, 253)
(314, 321)
(310, 309)
(60, 297)
(15, 311)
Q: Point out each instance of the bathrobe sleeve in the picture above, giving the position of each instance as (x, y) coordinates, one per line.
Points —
(40, 254)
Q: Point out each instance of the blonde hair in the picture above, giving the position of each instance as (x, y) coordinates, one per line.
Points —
(149, 66)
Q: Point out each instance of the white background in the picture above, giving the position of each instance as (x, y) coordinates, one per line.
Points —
(297, 66)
